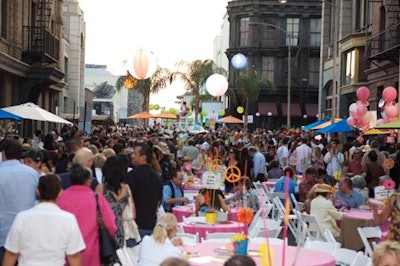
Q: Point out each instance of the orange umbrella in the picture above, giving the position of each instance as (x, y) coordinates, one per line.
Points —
(166, 115)
(230, 119)
(327, 123)
(141, 115)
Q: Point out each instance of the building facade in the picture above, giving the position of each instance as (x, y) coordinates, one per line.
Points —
(268, 33)
(30, 53)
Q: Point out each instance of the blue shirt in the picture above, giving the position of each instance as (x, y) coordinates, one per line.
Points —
(167, 194)
(354, 200)
(259, 166)
(280, 186)
(18, 184)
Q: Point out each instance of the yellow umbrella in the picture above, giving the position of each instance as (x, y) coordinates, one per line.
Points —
(327, 123)
(375, 131)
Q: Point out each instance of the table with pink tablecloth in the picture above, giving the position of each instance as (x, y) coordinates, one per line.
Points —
(203, 228)
(306, 257)
(270, 183)
(188, 210)
(352, 219)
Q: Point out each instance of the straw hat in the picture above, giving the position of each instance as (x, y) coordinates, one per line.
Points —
(366, 148)
(322, 188)
(162, 147)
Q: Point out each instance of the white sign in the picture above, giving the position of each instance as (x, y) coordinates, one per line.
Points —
(211, 180)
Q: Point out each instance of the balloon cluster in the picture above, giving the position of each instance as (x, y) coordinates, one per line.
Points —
(359, 116)
(388, 106)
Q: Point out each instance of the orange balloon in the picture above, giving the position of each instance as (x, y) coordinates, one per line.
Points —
(141, 64)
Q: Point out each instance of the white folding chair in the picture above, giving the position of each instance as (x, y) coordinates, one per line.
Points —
(321, 246)
(189, 239)
(314, 229)
(127, 256)
(344, 256)
(329, 236)
(261, 213)
(361, 260)
(292, 221)
(260, 232)
(367, 233)
(222, 235)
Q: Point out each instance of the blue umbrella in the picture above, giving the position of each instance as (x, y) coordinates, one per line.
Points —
(8, 115)
(337, 127)
(316, 123)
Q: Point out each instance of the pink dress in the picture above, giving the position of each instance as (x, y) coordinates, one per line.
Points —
(80, 200)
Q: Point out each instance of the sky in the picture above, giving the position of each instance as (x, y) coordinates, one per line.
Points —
(173, 30)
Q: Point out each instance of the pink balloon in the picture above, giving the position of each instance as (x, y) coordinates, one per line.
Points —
(365, 127)
(389, 94)
(361, 109)
(390, 119)
(391, 111)
(353, 108)
(363, 93)
(350, 121)
(366, 119)
(380, 121)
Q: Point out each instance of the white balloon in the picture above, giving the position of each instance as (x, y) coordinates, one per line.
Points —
(216, 85)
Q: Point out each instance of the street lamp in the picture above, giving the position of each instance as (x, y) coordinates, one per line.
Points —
(304, 119)
(289, 77)
(257, 119)
(269, 114)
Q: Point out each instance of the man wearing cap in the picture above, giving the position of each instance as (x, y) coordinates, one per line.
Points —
(34, 159)
(162, 154)
(18, 184)
(259, 166)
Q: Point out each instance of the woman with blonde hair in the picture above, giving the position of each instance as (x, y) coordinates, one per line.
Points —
(386, 253)
(163, 241)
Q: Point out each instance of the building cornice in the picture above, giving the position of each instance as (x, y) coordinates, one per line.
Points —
(13, 65)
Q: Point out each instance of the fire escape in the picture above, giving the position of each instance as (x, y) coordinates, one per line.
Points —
(42, 47)
(385, 44)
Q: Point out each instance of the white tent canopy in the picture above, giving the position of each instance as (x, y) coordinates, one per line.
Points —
(34, 112)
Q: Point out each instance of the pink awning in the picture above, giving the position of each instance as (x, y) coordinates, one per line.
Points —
(294, 109)
(265, 107)
(311, 109)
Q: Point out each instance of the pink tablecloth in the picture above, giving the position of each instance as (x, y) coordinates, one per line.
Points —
(203, 228)
(306, 257)
(270, 183)
(188, 210)
(352, 219)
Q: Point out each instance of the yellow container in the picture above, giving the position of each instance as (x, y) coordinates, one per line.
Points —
(211, 217)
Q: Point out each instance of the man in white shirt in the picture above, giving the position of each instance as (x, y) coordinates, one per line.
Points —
(45, 234)
(259, 167)
(303, 155)
(282, 153)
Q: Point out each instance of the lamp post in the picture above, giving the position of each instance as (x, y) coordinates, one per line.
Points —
(269, 119)
(289, 69)
(257, 119)
(304, 119)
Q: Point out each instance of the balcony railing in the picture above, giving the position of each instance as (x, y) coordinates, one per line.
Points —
(385, 44)
(40, 45)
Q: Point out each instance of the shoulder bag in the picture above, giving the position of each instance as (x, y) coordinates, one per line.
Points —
(106, 241)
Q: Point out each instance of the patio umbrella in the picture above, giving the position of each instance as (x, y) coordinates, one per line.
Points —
(375, 131)
(166, 115)
(337, 127)
(391, 125)
(316, 123)
(33, 112)
(8, 115)
(230, 120)
(141, 115)
(325, 124)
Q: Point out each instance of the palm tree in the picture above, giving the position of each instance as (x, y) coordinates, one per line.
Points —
(249, 85)
(158, 81)
(194, 75)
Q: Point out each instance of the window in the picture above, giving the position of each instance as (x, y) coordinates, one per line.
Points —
(350, 62)
(292, 30)
(4, 17)
(313, 75)
(267, 68)
(362, 14)
(268, 39)
(66, 69)
(315, 32)
(244, 32)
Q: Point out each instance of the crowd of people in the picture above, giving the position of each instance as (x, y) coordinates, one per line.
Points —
(59, 173)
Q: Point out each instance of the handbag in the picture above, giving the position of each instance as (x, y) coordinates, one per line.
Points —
(106, 241)
(129, 224)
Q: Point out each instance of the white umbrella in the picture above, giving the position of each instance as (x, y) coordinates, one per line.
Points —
(34, 112)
